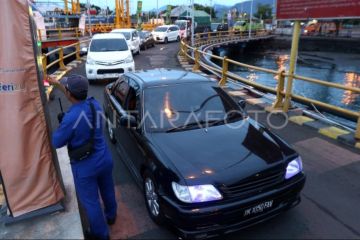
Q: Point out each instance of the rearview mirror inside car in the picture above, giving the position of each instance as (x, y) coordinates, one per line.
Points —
(128, 121)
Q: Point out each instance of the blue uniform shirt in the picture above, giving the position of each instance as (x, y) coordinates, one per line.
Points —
(75, 131)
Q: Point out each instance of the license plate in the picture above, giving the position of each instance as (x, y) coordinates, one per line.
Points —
(258, 208)
(115, 75)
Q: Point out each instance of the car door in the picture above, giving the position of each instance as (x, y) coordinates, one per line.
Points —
(173, 33)
(124, 140)
(136, 39)
(135, 145)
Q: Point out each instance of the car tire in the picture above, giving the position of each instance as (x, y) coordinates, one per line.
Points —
(166, 40)
(151, 199)
(145, 47)
(178, 39)
(110, 131)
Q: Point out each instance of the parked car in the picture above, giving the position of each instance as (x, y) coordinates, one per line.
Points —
(205, 166)
(222, 27)
(146, 40)
(214, 26)
(166, 33)
(108, 56)
(132, 38)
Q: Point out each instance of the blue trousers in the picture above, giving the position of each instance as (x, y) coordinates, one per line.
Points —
(88, 188)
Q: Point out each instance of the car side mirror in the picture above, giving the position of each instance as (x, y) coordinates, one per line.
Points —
(242, 104)
(128, 121)
(168, 30)
(84, 50)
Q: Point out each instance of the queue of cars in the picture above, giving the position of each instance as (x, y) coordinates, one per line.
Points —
(167, 126)
(111, 54)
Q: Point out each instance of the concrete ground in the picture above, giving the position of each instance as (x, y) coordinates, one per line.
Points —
(330, 200)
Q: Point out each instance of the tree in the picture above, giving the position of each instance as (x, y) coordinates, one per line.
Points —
(264, 11)
(207, 9)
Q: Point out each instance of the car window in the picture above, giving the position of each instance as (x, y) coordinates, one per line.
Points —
(127, 35)
(133, 99)
(173, 106)
(108, 45)
(161, 29)
(121, 91)
(135, 34)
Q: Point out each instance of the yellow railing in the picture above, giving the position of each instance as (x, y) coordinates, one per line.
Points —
(61, 33)
(194, 53)
(61, 57)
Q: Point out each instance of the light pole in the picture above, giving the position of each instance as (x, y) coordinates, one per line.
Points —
(157, 11)
(89, 18)
(192, 23)
(251, 14)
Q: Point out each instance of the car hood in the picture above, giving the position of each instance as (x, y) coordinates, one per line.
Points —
(222, 154)
(109, 56)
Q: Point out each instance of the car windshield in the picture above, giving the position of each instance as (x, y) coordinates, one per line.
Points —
(161, 29)
(214, 26)
(181, 25)
(127, 35)
(240, 23)
(108, 45)
(143, 34)
(176, 107)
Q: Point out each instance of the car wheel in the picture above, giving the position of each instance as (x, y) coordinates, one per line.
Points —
(110, 130)
(152, 199)
(166, 40)
(145, 47)
(178, 39)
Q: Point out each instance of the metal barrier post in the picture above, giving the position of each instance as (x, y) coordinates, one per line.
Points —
(78, 51)
(61, 59)
(44, 64)
(197, 60)
(357, 133)
(225, 68)
(293, 58)
(60, 34)
(39, 34)
(185, 51)
(76, 32)
(279, 91)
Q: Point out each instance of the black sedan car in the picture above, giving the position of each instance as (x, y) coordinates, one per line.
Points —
(205, 166)
(146, 40)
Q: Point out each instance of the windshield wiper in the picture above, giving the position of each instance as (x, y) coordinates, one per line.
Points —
(187, 126)
(229, 118)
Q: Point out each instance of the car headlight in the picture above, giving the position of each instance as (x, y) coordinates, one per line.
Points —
(129, 59)
(196, 194)
(90, 61)
(294, 167)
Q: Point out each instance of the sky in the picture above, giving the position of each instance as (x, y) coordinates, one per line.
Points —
(151, 4)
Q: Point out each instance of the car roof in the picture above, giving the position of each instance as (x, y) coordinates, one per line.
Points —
(168, 26)
(108, 36)
(162, 76)
(123, 30)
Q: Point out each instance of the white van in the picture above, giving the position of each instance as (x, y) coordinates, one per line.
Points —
(108, 56)
(166, 33)
(132, 38)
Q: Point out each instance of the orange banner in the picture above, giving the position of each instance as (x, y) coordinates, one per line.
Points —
(27, 160)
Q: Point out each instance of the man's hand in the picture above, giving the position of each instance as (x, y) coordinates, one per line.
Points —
(52, 81)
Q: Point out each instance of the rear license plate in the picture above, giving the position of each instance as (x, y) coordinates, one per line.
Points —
(258, 208)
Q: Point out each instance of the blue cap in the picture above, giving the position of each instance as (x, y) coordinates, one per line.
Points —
(77, 85)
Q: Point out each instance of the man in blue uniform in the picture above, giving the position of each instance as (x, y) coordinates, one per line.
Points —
(93, 171)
